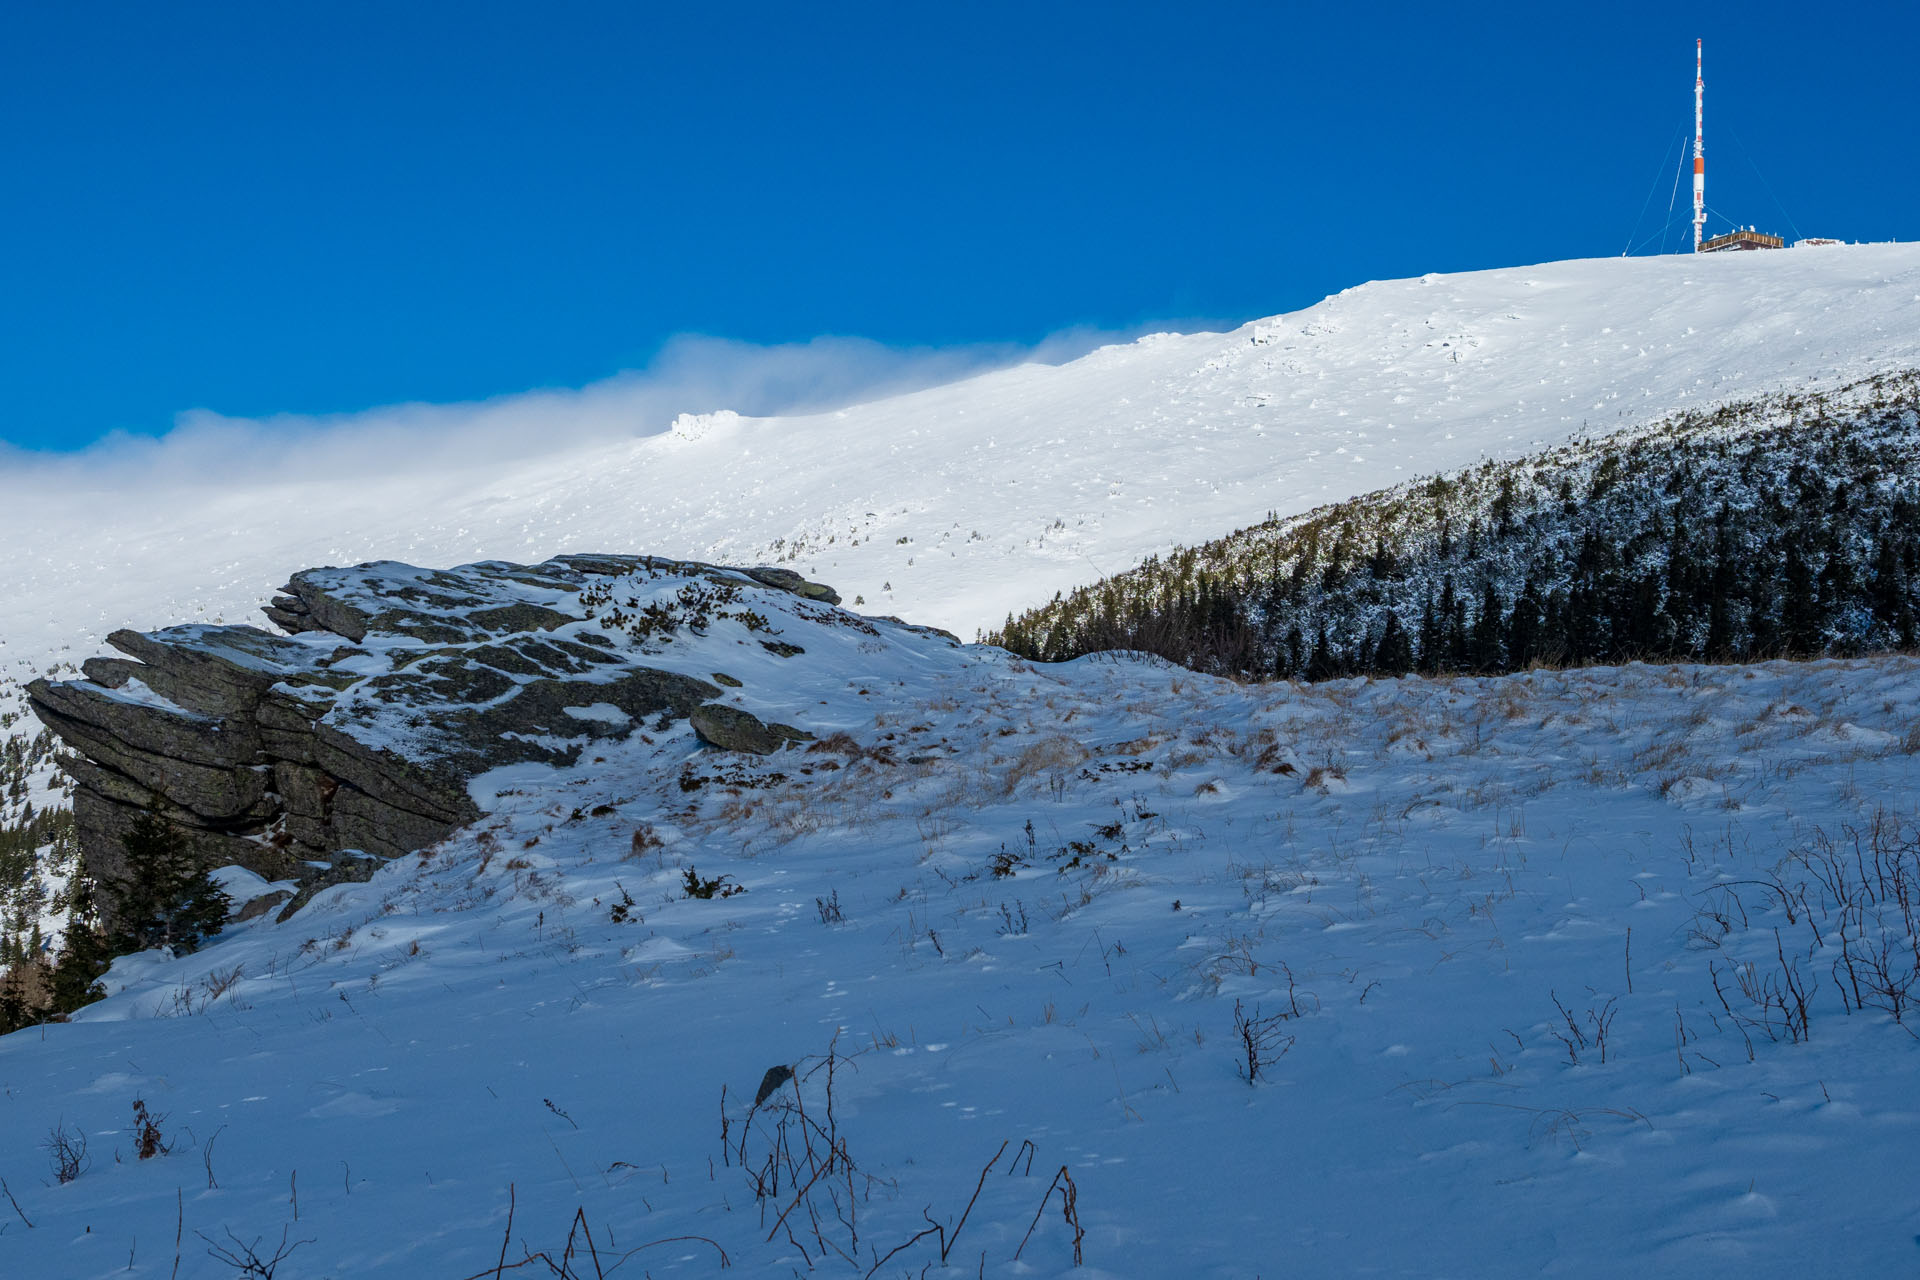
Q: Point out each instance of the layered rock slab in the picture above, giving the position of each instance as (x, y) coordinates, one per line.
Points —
(314, 756)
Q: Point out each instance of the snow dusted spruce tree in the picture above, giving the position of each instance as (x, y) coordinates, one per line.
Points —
(166, 899)
(1787, 527)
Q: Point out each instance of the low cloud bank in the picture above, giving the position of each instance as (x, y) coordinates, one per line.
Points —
(690, 375)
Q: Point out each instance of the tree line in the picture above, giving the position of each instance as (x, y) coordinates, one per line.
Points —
(1786, 527)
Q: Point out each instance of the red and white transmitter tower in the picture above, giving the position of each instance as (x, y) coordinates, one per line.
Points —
(1699, 151)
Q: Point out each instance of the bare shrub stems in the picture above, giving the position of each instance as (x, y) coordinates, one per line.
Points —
(1069, 1210)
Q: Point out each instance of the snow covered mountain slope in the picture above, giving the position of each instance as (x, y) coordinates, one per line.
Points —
(957, 504)
(1460, 977)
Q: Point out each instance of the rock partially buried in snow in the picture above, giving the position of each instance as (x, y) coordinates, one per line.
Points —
(732, 729)
(257, 907)
(314, 757)
(788, 580)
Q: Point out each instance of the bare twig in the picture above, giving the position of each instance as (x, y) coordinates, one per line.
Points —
(206, 1158)
(1262, 1043)
(1790, 973)
(67, 1149)
(1069, 1209)
(580, 1221)
(818, 1173)
(579, 1230)
(16, 1204)
(946, 1246)
(936, 1228)
(506, 1237)
(725, 1261)
(1713, 975)
(245, 1258)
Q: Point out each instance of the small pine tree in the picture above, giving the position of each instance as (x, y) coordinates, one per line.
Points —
(164, 900)
(1321, 664)
(1503, 505)
(17, 1010)
(1488, 653)
(1295, 658)
(1394, 656)
(1888, 585)
(75, 977)
(1523, 628)
(1800, 609)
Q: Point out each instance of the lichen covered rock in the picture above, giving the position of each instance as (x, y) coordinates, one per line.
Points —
(732, 729)
(313, 756)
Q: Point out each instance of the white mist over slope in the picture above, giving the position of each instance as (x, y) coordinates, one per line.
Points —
(955, 504)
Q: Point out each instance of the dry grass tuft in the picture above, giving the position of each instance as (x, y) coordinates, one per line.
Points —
(1053, 756)
(1322, 776)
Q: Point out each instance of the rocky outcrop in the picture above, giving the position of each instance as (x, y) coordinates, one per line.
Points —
(731, 729)
(788, 580)
(313, 756)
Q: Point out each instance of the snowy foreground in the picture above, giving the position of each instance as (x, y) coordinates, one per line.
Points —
(1394, 881)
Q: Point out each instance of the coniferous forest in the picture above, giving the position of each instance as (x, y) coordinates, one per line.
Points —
(1786, 527)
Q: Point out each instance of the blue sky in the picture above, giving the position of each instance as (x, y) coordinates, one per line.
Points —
(319, 208)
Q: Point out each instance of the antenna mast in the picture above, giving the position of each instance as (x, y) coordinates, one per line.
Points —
(1699, 152)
